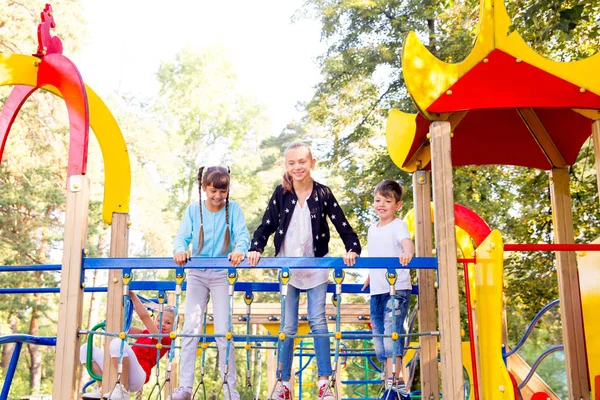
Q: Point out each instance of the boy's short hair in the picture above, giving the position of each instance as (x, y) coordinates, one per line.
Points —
(389, 188)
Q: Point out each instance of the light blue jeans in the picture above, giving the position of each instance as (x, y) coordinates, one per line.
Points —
(317, 322)
(381, 321)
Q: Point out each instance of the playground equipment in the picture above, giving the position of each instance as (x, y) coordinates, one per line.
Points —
(504, 104)
(531, 110)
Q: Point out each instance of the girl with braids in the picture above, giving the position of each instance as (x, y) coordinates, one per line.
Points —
(216, 227)
(296, 214)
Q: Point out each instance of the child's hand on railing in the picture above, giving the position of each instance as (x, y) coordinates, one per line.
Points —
(235, 258)
(253, 257)
(350, 258)
(181, 258)
(405, 258)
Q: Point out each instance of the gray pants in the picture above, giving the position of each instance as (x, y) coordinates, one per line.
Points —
(199, 285)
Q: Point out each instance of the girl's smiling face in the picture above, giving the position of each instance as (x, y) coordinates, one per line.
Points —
(299, 163)
(168, 319)
(215, 198)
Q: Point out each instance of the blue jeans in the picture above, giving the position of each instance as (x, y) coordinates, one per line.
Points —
(316, 321)
(381, 321)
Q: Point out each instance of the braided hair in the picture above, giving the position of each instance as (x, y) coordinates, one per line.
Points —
(286, 180)
(219, 178)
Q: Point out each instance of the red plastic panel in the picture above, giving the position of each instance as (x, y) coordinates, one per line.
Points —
(471, 223)
(503, 82)
(60, 72)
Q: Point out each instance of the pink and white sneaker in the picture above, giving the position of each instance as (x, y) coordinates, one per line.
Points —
(325, 392)
(281, 393)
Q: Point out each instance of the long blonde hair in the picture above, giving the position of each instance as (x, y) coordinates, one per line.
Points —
(286, 180)
(219, 178)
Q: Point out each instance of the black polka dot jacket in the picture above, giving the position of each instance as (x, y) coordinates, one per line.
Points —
(321, 204)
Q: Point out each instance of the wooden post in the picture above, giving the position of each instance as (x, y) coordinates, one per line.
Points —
(173, 376)
(426, 280)
(271, 370)
(338, 380)
(448, 303)
(66, 364)
(119, 244)
(568, 282)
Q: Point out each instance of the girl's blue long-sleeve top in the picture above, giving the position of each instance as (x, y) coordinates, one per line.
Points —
(214, 231)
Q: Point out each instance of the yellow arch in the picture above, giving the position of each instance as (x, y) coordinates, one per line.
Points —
(17, 69)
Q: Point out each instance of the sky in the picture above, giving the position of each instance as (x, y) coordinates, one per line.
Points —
(274, 57)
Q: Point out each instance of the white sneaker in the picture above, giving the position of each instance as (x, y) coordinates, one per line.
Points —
(182, 393)
(281, 393)
(93, 395)
(325, 392)
(118, 393)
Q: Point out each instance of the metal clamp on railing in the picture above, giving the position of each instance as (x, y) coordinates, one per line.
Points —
(127, 277)
(179, 278)
(232, 278)
(392, 277)
(284, 278)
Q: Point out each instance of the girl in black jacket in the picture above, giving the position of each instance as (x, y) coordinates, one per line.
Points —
(296, 214)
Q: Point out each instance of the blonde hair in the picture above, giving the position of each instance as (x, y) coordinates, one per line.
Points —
(286, 180)
(219, 178)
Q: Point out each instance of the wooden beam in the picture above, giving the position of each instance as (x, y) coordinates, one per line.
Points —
(271, 370)
(541, 136)
(66, 364)
(175, 365)
(519, 368)
(119, 244)
(426, 278)
(448, 302)
(568, 282)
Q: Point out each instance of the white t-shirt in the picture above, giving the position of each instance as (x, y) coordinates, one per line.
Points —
(298, 243)
(387, 242)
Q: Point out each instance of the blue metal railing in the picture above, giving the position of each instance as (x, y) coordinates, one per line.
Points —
(354, 288)
(222, 262)
(18, 340)
(553, 349)
(166, 263)
(528, 332)
(532, 325)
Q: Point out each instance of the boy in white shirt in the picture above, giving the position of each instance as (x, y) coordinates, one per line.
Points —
(389, 238)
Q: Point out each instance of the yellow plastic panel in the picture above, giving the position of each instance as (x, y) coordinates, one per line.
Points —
(427, 77)
(117, 169)
(582, 73)
(589, 283)
(495, 382)
(399, 135)
(17, 69)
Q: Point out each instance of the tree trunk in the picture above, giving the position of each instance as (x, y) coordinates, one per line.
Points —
(35, 368)
(93, 310)
(432, 37)
(7, 349)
